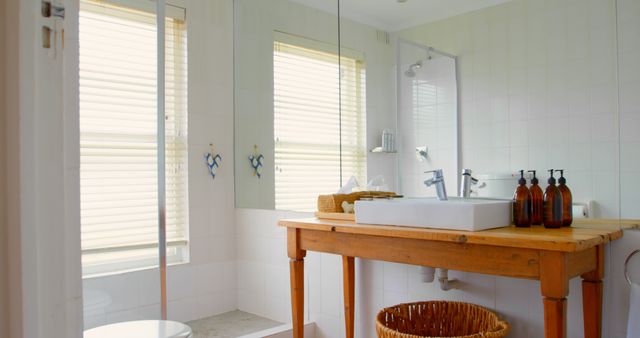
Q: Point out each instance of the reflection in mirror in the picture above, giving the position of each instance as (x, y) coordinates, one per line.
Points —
(537, 90)
(628, 28)
(287, 103)
(427, 117)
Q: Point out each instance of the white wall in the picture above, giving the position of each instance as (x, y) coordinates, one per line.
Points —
(261, 246)
(533, 87)
(255, 24)
(380, 94)
(47, 279)
(538, 91)
(263, 266)
(263, 285)
(629, 53)
(12, 269)
(207, 284)
(44, 242)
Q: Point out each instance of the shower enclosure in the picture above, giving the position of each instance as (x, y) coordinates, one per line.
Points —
(427, 106)
(132, 62)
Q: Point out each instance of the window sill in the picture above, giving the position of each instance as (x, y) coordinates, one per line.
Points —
(124, 272)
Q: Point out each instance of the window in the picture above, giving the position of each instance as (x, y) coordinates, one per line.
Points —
(307, 126)
(118, 135)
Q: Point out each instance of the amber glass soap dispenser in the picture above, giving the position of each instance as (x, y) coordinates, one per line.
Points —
(522, 203)
(567, 200)
(537, 201)
(552, 204)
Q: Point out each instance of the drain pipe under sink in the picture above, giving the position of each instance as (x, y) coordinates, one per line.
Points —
(428, 274)
(446, 284)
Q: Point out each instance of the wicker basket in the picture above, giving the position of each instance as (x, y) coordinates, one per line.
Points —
(439, 319)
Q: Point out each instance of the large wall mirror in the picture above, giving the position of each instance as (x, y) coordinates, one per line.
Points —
(494, 86)
(287, 102)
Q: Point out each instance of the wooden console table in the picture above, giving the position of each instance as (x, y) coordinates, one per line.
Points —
(552, 256)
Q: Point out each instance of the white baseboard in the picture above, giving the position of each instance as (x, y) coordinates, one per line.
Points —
(284, 331)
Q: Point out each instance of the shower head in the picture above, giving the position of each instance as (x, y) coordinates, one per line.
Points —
(411, 72)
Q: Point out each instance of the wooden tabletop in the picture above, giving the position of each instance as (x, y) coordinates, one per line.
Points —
(537, 237)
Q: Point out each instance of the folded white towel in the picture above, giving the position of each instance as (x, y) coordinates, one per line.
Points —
(633, 327)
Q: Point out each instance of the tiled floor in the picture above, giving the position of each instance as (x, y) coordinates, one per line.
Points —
(230, 325)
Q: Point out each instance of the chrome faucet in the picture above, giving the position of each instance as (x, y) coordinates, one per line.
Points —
(466, 181)
(438, 181)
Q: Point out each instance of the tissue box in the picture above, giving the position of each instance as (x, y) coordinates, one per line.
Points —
(333, 203)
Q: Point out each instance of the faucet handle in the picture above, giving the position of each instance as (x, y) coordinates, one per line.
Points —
(436, 173)
(467, 172)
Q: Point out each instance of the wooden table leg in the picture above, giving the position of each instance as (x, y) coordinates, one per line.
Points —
(296, 267)
(555, 317)
(554, 284)
(592, 298)
(348, 274)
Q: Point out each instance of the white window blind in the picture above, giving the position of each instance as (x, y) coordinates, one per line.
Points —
(307, 123)
(353, 114)
(118, 135)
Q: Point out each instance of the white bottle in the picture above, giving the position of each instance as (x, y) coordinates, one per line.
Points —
(387, 140)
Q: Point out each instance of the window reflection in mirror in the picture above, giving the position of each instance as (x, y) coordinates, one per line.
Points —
(287, 103)
(309, 159)
(537, 87)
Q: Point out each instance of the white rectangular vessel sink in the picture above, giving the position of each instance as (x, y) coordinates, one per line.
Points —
(454, 214)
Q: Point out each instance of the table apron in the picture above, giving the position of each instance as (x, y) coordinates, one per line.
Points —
(486, 259)
(503, 261)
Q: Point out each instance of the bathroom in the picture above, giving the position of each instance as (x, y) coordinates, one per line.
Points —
(530, 85)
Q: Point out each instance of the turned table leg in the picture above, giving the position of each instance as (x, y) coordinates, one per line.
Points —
(349, 273)
(554, 284)
(592, 298)
(555, 317)
(296, 267)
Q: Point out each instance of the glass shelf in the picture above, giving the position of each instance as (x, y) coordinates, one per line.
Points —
(379, 150)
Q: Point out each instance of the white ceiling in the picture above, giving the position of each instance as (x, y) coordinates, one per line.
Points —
(391, 16)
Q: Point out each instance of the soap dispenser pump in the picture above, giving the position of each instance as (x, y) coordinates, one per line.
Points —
(567, 200)
(537, 201)
(552, 204)
(522, 203)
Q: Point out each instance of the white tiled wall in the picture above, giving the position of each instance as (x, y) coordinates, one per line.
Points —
(264, 286)
(258, 255)
(207, 284)
(553, 104)
(538, 91)
(263, 266)
(629, 53)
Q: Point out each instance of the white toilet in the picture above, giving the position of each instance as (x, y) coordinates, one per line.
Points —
(141, 329)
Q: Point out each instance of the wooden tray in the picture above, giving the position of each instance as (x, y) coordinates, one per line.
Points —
(335, 216)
